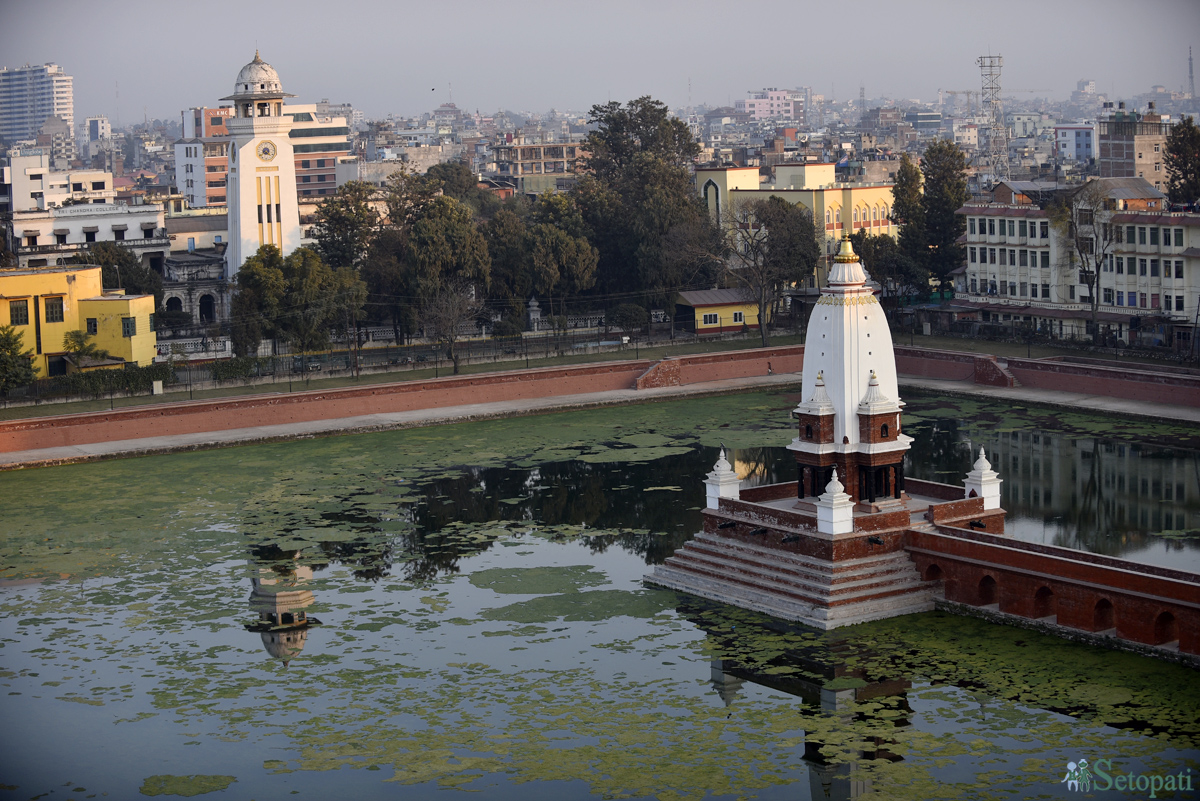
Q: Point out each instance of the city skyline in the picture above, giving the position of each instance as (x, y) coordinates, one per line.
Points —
(542, 55)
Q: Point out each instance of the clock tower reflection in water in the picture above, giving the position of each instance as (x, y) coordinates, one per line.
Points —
(279, 595)
(262, 170)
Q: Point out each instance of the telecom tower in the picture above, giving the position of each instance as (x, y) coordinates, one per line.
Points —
(996, 154)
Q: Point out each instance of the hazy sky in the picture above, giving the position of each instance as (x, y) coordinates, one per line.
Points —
(403, 57)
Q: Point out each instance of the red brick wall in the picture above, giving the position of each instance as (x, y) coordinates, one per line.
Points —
(1139, 593)
(261, 410)
(1129, 382)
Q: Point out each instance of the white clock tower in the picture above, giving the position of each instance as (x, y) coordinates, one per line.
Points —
(262, 171)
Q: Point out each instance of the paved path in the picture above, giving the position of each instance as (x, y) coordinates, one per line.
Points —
(482, 411)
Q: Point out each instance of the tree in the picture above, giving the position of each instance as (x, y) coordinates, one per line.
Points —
(1182, 162)
(945, 169)
(563, 265)
(628, 317)
(887, 263)
(451, 307)
(771, 245)
(642, 126)
(407, 196)
(908, 211)
(16, 363)
(445, 244)
(79, 344)
(346, 223)
(122, 269)
(258, 297)
(1083, 219)
(456, 179)
(391, 283)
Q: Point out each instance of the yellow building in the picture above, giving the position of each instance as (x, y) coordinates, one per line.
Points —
(837, 207)
(716, 311)
(45, 303)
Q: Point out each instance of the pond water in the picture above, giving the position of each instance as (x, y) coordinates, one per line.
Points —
(483, 626)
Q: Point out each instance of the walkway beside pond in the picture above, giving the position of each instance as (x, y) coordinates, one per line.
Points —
(43, 457)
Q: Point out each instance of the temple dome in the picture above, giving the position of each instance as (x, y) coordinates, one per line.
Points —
(257, 77)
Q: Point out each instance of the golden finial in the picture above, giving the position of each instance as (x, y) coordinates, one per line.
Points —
(846, 254)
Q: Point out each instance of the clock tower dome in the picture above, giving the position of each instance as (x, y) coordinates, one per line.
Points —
(262, 170)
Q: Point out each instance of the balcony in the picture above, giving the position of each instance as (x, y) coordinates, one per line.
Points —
(159, 240)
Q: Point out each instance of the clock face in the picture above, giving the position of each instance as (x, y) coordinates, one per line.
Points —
(265, 150)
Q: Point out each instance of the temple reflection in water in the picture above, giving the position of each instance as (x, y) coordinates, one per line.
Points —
(279, 596)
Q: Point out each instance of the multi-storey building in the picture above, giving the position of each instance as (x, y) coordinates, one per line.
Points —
(27, 182)
(28, 95)
(202, 170)
(1019, 267)
(838, 207)
(55, 235)
(1132, 145)
(203, 122)
(1075, 142)
(773, 104)
(317, 142)
(44, 304)
(537, 166)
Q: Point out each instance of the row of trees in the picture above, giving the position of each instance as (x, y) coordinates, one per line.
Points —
(427, 253)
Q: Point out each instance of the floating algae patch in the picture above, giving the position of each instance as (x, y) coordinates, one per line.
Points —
(576, 606)
(185, 785)
(538, 580)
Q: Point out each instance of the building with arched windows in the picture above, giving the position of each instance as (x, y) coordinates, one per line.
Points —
(838, 207)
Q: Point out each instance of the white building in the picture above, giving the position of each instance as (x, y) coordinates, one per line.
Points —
(1075, 142)
(28, 95)
(201, 171)
(29, 183)
(53, 236)
(263, 209)
(773, 104)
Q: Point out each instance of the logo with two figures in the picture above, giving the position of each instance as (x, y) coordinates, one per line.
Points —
(1079, 776)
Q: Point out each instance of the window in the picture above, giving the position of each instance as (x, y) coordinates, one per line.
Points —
(1179, 303)
(60, 239)
(152, 328)
(89, 236)
(217, 239)
(1022, 229)
(1142, 300)
(1167, 302)
(1154, 268)
(1045, 258)
(77, 187)
(118, 235)
(1046, 291)
(1141, 266)
(991, 227)
(128, 326)
(974, 286)
(304, 179)
(54, 310)
(31, 241)
(710, 319)
(91, 326)
(97, 185)
(971, 253)
(991, 255)
(18, 312)
(1154, 300)
(1179, 269)
(1108, 296)
(1003, 287)
(1153, 236)
(1044, 229)
(739, 317)
(1012, 228)
(1024, 289)
(1178, 237)
(1120, 298)
(1024, 258)
(1072, 292)
(1142, 235)
(1120, 265)
(320, 162)
(304, 164)
(971, 225)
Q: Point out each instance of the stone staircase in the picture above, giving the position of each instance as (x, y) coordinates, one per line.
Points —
(792, 586)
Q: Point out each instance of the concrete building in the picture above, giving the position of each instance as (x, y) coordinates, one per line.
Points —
(1018, 272)
(1131, 145)
(28, 182)
(838, 207)
(28, 95)
(202, 171)
(1075, 142)
(318, 141)
(203, 122)
(537, 166)
(773, 104)
(55, 235)
(44, 304)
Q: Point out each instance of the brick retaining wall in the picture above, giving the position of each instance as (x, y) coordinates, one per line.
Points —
(1131, 382)
(260, 410)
